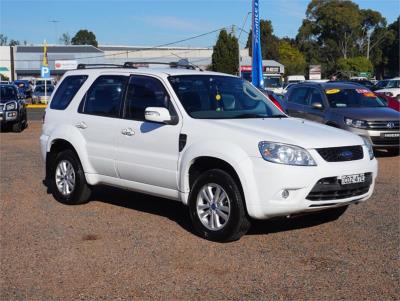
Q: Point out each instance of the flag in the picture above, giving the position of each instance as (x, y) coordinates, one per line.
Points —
(45, 62)
(256, 67)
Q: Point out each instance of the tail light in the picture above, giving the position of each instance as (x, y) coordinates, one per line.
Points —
(276, 102)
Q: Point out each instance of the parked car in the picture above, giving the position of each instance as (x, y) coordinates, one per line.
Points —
(380, 85)
(364, 82)
(12, 109)
(210, 140)
(23, 88)
(346, 106)
(286, 87)
(275, 98)
(392, 88)
(391, 102)
(39, 95)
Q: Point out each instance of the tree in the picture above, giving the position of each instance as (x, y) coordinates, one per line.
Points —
(13, 42)
(84, 37)
(3, 40)
(65, 39)
(291, 58)
(269, 42)
(225, 57)
(352, 66)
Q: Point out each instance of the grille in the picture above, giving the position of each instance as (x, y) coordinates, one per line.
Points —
(385, 141)
(343, 153)
(328, 189)
(383, 125)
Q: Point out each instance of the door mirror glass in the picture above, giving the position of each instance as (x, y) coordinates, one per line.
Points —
(158, 114)
(317, 105)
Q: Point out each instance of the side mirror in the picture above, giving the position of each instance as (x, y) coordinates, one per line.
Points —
(158, 114)
(317, 105)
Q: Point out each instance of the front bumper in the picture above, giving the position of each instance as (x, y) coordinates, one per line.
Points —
(266, 181)
(379, 138)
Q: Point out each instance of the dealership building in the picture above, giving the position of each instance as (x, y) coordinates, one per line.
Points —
(24, 62)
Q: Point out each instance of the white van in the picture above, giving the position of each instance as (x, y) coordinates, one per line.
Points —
(295, 79)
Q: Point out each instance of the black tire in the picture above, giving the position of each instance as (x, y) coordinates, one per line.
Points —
(238, 222)
(81, 192)
(331, 214)
(17, 127)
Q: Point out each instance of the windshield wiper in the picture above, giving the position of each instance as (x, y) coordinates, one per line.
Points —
(251, 116)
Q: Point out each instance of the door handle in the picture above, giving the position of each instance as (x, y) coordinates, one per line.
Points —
(128, 132)
(81, 125)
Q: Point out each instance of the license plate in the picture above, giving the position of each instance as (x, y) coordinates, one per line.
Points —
(352, 179)
(391, 135)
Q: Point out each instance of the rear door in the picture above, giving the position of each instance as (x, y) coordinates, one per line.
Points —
(147, 152)
(297, 101)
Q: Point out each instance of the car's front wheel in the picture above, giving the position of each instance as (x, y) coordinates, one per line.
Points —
(67, 179)
(217, 208)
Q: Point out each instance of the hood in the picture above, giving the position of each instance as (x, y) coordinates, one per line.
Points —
(368, 114)
(303, 133)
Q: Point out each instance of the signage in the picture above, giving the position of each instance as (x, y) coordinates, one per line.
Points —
(272, 69)
(44, 72)
(315, 72)
(65, 64)
(256, 71)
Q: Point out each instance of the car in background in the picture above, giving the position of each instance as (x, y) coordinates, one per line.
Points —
(380, 85)
(364, 82)
(347, 106)
(23, 88)
(40, 95)
(12, 109)
(274, 97)
(392, 88)
(391, 102)
(286, 87)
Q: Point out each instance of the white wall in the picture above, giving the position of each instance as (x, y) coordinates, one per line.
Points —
(5, 60)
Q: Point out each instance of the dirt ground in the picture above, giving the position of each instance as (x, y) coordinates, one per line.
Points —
(128, 246)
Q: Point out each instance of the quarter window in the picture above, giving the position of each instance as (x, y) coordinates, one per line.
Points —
(299, 96)
(66, 91)
(144, 92)
(105, 96)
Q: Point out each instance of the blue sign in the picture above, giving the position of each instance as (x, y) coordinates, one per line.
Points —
(44, 72)
(256, 66)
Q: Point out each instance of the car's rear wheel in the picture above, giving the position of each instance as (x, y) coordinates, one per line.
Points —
(216, 207)
(67, 179)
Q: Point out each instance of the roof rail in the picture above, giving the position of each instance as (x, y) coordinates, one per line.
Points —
(146, 64)
(89, 66)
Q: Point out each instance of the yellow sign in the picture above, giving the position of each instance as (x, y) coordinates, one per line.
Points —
(332, 91)
(45, 62)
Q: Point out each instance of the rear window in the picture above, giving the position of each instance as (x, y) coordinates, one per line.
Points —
(66, 91)
(353, 98)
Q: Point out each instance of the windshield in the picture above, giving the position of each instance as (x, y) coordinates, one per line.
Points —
(8, 93)
(221, 97)
(393, 84)
(272, 82)
(42, 82)
(353, 98)
(40, 89)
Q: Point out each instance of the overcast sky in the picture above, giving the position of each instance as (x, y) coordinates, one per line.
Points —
(154, 22)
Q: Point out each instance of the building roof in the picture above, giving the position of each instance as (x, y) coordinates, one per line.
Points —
(60, 49)
(133, 48)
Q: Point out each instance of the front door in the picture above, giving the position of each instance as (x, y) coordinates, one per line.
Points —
(147, 152)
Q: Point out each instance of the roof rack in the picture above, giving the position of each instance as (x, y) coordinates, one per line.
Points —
(88, 66)
(170, 64)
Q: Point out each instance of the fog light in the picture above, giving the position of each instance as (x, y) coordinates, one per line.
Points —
(11, 114)
(285, 194)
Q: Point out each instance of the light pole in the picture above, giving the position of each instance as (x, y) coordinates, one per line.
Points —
(55, 28)
(240, 33)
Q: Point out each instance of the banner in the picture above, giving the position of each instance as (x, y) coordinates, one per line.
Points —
(45, 62)
(65, 64)
(315, 72)
(256, 70)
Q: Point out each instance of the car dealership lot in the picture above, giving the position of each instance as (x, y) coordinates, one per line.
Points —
(125, 245)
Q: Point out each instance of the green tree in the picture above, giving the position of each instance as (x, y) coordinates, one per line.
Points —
(3, 40)
(84, 37)
(269, 42)
(352, 66)
(391, 50)
(65, 39)
(13, 42)
(225, 57)
(291, 58)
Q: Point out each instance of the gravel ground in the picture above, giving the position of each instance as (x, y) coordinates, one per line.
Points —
(128, 246)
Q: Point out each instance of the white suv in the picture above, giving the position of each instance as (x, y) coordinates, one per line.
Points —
(209, 140)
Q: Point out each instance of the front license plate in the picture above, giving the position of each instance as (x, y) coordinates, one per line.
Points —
(352, 179)
(391, 135)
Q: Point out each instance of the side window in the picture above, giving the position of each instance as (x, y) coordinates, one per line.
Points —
(316, 97)
(105, 96)
(299, 96)
(66, 91)
(143, 92)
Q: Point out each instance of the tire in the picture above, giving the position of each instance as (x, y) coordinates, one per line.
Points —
(17, 127)
(80, 191)
(235, 225)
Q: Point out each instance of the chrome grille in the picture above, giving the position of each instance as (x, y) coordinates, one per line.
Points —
(342, 153)
(383, 125)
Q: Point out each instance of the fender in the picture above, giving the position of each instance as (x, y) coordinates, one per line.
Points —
(74, 136)
(229, 152)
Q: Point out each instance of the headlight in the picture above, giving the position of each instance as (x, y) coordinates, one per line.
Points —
(11, 106)
(368, 144)
(355, 123)
(285, 154)
(388, 93)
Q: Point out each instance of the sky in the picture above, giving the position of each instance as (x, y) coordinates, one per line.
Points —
(154, 22)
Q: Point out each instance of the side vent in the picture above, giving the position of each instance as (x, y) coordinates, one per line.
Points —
(182, 141)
